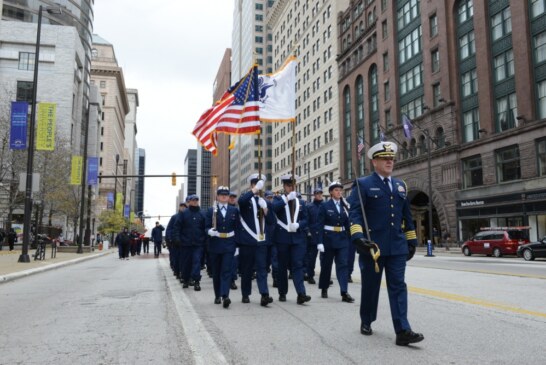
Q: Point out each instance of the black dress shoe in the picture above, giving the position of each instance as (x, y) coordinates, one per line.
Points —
(406, 337)
(366, 329)
(303, 298)
(346, 297)
(350, 280)
(185, 284)
(196, 286)
(227, 302)
(192, 282)
(331, 282)
(233, 285)
(266, 299)
(311, 280)
(217, 300)
(282, 298)
(246, 299)
(324, 293)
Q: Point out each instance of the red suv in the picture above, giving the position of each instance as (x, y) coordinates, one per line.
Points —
(496, 241)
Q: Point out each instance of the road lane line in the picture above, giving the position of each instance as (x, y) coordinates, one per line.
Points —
(531, 276)
(201, 344)
(474, 301)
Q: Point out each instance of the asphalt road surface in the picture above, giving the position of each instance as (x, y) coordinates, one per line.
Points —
(476, 310)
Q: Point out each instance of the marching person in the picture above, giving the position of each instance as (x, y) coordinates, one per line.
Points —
(189, 235)
(123, 240)
(232, 201)
(252, 239)
(290, 239)
(222, 221)
(173, 249)
(384, 202)
(333, 241)
(270, 234)
(157, 237)
(312, 237)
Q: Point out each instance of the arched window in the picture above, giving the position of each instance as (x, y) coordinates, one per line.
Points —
(374, 104)
(347, 107)
(404, 150)
(360, 104)
(440, 138)
(422, 144)
(413, 148)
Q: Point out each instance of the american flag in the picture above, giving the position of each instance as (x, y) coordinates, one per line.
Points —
(360, 147)
(242, 116)
(205, 129)
(406, 123)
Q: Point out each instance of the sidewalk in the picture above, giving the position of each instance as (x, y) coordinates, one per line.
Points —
(11, 269)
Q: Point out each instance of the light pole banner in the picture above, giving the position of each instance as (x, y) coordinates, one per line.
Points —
(126, 209)
(45, 128)
(77, 170)
(18, 131)
(92, 170)
(119, 202)
(109, 200)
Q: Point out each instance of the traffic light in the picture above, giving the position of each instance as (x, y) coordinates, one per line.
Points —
(173, 179)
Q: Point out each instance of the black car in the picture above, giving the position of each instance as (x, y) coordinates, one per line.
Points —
(530, 251)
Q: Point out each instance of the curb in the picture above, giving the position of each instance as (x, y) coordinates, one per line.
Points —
(25, 273)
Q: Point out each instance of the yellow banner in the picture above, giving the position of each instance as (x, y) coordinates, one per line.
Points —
(119, 202)
(77, 170)
(45, 127)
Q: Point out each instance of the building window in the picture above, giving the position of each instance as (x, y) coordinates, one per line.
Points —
(24, 91)
(259, 17)
(347, 107)
(384, 29)
(471, 125)
(410, 45)
(506, 112)
(542, 99)
(466, 10)
(541, 157)
(433, 23)
(259, 39)
(469, 83)
(507, 162)
(360, 102)
(383, 5)
(408, 12)
(103, 84)
(537, 7)
(467, 45)
(385, 61)
(472, 172)
(501, 24)
(504, 65)
(94, 53)
(26, 61)
(540, 47)
(436, 94)
(435, 60)
(259, 6)
(414, 108)
(411, 79)
(387, 93)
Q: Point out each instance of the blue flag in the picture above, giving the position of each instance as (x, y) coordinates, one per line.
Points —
(406, 122)
(18, 132)
(92, 170)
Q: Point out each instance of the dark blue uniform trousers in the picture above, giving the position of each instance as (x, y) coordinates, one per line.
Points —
(395, 268)
(340, 255)
(273, 258)
(262, 255)
(310, 257)
(221, 264)
(173, 258)
(190, 263)
(234, 268)
(291, 256)
(351, 260)
(247, 257)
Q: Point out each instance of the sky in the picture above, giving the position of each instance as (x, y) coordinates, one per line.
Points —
(170, 52)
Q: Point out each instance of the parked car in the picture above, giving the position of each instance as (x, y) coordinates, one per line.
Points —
(532, 250)
(496, 241)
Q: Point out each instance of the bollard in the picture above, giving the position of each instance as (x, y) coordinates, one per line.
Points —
(429, 249)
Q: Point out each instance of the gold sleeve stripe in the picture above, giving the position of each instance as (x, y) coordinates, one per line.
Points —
(356, 228)
(411, 235)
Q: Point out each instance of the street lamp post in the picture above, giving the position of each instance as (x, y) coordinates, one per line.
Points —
(430, 229)
(116, 183)
(24, 257)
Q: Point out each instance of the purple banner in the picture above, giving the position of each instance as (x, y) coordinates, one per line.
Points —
(92, 170)
(18, 132)
(110, 200)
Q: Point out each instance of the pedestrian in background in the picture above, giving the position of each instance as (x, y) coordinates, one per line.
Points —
(384, 201)
(157, 237)
(312, 236)
(12, 238)
(123, 240)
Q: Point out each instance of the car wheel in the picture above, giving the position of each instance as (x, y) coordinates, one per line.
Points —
(528, 255)
(466, 251)
(497, 252)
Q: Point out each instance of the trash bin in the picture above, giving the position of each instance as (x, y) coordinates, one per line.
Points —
(100, 246)
(105, 244)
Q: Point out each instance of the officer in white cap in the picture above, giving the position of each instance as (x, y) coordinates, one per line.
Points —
(384, 201)
(290, 239)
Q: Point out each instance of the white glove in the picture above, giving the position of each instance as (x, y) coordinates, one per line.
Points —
(320, 247)
(293, 227)
(259, 185)
(212, 232)
(292, 195)
(236, 252)
(262, 203)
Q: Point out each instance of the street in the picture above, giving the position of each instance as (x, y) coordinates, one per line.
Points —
(472, 310)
